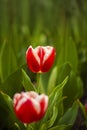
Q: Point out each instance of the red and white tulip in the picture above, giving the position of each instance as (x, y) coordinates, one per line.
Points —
(41, 58)
(29, 106)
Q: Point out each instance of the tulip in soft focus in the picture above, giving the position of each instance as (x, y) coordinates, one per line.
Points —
(41, 58)
(29, 106)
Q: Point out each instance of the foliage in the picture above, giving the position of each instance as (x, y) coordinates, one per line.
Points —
(61, 24)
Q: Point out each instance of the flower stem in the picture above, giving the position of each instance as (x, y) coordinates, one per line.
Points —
(27, 127)
(30, 126)
(38, 82)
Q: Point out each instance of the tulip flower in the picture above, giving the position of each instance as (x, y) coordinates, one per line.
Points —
(41, 58)
(29, 106)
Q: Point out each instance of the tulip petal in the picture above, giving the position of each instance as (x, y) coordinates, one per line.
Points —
(43, 104)
(48, 61)
(33, 60)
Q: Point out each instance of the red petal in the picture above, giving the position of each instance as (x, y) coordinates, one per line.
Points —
(43, 105)
(41, 54)
(49, 62)
(32, 61)
(26, 113)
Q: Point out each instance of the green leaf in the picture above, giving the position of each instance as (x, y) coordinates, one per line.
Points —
(54, 98)
(58, 75)
(53, 118)
(56, 92)
(8, 61)
(61, 127)
(73, 90)
(50, 122)
(27, 82)
(16, 126)
(12, 84)
(70, 116)
(75, 29)
(63, 71)
(6, 101)
(79, 86)
(7, 116)
(69, 54)
(43, 127)
(52, 79)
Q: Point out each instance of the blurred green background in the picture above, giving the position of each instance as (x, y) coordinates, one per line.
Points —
(59, 23)
(40, 22)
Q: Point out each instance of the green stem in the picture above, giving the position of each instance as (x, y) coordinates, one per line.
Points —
(27, 127)
(30, 126)
(38, 82)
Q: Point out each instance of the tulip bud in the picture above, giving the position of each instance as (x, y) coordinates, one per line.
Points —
(41, 58)
(29, 106)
